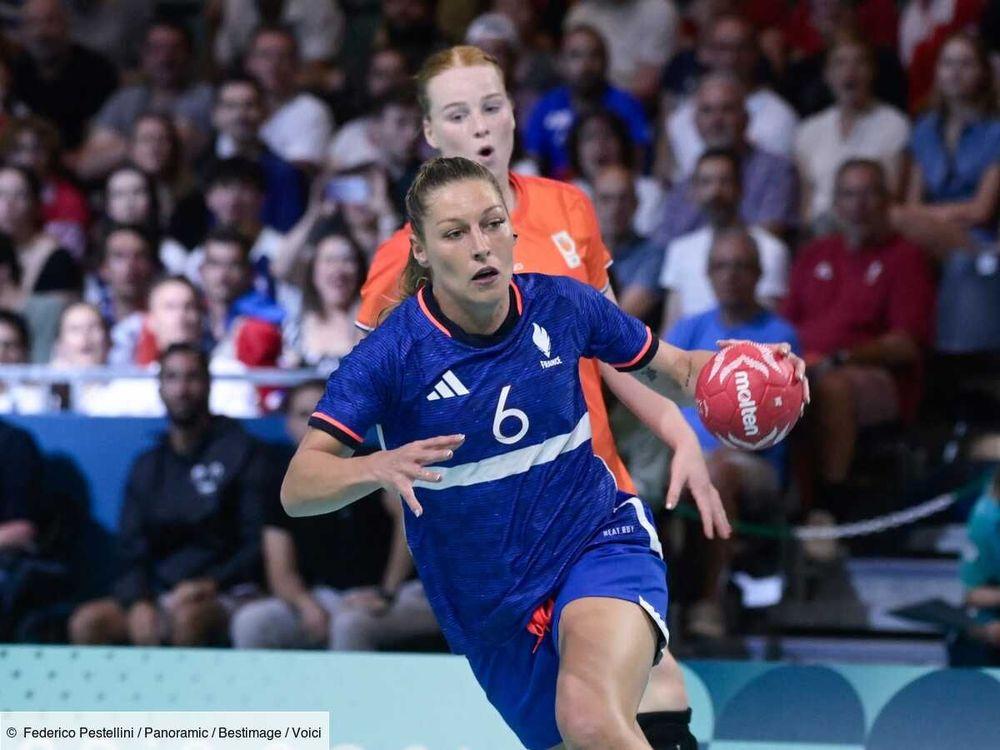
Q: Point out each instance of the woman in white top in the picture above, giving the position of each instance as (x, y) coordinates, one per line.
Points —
(856, 126)
(324, 331)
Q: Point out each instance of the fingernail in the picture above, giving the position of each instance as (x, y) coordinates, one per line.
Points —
(451, 453)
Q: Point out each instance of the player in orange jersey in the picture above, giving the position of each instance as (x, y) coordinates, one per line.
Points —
(467, 112)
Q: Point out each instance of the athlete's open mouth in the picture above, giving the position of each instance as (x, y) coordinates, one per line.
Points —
(486, 152)
(486, 272)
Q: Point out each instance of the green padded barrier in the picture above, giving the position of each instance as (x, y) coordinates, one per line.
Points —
(431, 702)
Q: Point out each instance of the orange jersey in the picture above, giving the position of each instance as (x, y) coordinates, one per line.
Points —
(557, 234)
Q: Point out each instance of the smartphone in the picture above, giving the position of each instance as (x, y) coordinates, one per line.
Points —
(351, 189)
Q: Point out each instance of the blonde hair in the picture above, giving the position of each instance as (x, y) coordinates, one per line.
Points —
(461, 56)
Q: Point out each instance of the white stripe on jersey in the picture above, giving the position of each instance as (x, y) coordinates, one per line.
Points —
(640, 516)
(509, 464)
(456, 384)
(444, 390)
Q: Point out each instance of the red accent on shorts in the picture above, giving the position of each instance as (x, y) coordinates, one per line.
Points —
(541, 622)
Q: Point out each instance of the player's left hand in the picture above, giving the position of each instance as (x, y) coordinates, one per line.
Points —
(688, 469)
(781, 351)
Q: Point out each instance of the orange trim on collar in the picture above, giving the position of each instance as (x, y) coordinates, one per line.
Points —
(517, 296)
(427, 312)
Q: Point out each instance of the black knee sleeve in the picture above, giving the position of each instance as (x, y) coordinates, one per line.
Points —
(668, 730)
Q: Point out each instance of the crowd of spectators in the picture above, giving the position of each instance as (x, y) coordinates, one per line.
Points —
(212, 186)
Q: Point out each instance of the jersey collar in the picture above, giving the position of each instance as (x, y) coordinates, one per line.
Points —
(431, 309)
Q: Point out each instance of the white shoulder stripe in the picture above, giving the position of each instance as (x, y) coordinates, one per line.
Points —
(509, 464)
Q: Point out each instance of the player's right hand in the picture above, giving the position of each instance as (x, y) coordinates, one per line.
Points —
(398, 469)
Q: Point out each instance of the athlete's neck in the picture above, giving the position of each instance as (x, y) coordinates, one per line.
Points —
(477, 319)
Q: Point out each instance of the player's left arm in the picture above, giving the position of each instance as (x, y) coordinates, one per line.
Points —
(687, 468)
(664, 419)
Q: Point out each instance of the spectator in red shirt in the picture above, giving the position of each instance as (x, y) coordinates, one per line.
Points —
(862, 301)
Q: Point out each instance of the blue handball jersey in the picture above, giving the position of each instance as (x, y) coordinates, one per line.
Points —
(524, 492)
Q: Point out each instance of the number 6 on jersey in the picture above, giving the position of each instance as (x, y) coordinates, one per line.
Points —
(502, 414)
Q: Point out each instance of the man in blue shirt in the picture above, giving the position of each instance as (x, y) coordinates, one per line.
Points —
(237, 115)
(750, 484)
(584, 64)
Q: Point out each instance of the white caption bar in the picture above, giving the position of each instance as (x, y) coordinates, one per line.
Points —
(164, 730)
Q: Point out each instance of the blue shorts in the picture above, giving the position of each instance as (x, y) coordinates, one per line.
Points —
(623, 560)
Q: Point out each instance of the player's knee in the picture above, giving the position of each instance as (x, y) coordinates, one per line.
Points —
(586, 716)
(666, 687)
(97, 623)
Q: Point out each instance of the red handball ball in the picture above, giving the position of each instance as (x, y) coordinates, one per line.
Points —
(748, 397)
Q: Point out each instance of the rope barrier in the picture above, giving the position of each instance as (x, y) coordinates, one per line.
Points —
(866, 527)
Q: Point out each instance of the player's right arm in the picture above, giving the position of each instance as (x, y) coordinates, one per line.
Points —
(324, 476)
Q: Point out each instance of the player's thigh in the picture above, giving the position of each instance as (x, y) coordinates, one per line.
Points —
(606, 649)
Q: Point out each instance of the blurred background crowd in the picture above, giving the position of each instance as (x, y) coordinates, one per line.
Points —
(195, 190)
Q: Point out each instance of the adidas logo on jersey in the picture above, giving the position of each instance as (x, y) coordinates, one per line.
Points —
(449, 386)
(540, 338)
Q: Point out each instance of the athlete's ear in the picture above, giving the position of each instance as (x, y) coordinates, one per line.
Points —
(428, 133)
(418, 252)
